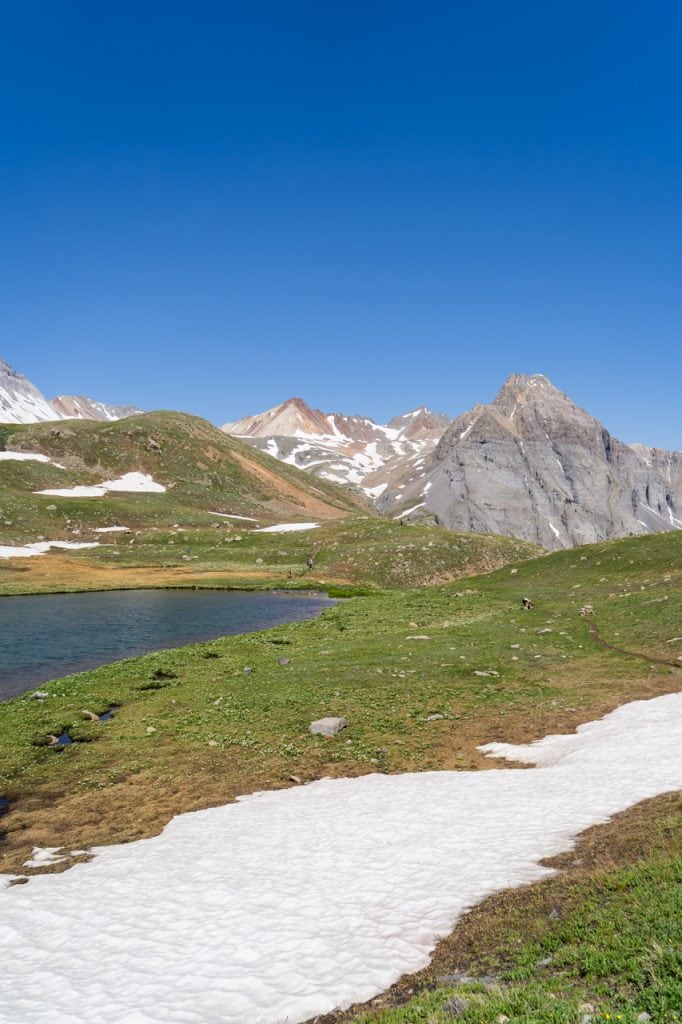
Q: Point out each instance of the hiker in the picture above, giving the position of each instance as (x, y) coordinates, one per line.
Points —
(310, 563)
(526, 603)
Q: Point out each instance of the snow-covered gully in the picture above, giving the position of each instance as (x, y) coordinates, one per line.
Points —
(288, 904)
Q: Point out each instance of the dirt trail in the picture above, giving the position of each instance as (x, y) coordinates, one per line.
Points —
(594, 635)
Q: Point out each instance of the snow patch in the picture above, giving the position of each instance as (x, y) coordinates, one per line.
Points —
(41, 547)
(278, 907)
(232, 515)
(410, 510)
(287, 528)
(28, 457)
(139, 483)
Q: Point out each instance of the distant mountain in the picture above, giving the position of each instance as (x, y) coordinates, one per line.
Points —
(344, 449)
(533, 465)
(22, 402)
(78, 407)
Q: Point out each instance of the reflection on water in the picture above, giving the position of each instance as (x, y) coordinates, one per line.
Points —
(52, 635)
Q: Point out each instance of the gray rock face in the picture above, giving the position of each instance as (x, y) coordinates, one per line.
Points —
(533, 465)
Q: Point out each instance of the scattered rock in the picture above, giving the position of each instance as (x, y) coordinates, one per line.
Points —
(587, 1008)
(213, 743)
(477, 672)
(327, 726)
(296, 778)
(456, 1007)
(247, 669)
(434, 718)
(151, 729)
(545, 962)
(283, 661)
(419, 636)
(40, 695)
(643, 1017)
(502, 1018)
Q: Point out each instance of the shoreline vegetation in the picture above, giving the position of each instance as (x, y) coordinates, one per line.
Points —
(424, 676)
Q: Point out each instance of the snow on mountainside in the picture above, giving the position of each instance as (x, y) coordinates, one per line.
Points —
(345, 449)
(78, 407)
(533, 465)
(22, 402)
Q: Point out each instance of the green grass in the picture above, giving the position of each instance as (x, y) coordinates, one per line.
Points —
(194, 729)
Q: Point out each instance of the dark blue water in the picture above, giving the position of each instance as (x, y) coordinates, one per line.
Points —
(54, 635)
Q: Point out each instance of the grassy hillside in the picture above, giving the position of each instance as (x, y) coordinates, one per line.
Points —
(202, 468)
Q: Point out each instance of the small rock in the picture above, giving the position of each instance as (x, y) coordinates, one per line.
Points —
(150, 729)
(327, 726)
(544, 962)
(247, 669)
(434, 718)
(643, 1017)
(502, 1018)
(418, 636)
(554, 915)
(491, 672)
(296, 779)
(283, 661)
(213, 743)
(40, 695)
(586, 1018)
(587, 1008)
(456, 1007)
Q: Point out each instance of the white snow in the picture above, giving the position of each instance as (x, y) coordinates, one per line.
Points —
(291, 903)
(287, 528)
(40, 547)
(555, 531)
(466, 432)
(232, 515)
(427, 487)
(139, 483)
(375, 492)
(42, 856)
(112, 529)
(409, 511)
(28, 457)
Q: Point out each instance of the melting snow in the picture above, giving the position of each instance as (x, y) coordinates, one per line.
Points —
(375, 492)
(289, 904)
(28, 457)
(287, 528)
(232, 515)
(141, 483)
(409, 511)
(555, 531)
(112, 529)
(40, 547)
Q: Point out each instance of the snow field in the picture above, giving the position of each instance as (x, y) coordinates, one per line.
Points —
(40, 547)
(291, 903)
(140, 483)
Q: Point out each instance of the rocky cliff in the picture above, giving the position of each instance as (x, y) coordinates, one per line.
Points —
(533, 465)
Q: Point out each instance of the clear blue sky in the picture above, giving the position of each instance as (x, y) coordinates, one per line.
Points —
(215, 206)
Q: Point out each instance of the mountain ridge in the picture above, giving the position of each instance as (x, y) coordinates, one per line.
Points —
(22, 402)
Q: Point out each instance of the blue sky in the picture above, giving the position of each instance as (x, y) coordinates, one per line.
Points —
(215, 206)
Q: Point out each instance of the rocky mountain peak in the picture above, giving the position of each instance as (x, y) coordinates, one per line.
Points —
(22, 402)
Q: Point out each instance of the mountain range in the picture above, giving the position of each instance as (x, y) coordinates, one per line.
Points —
(530, 465)
(22, 402)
